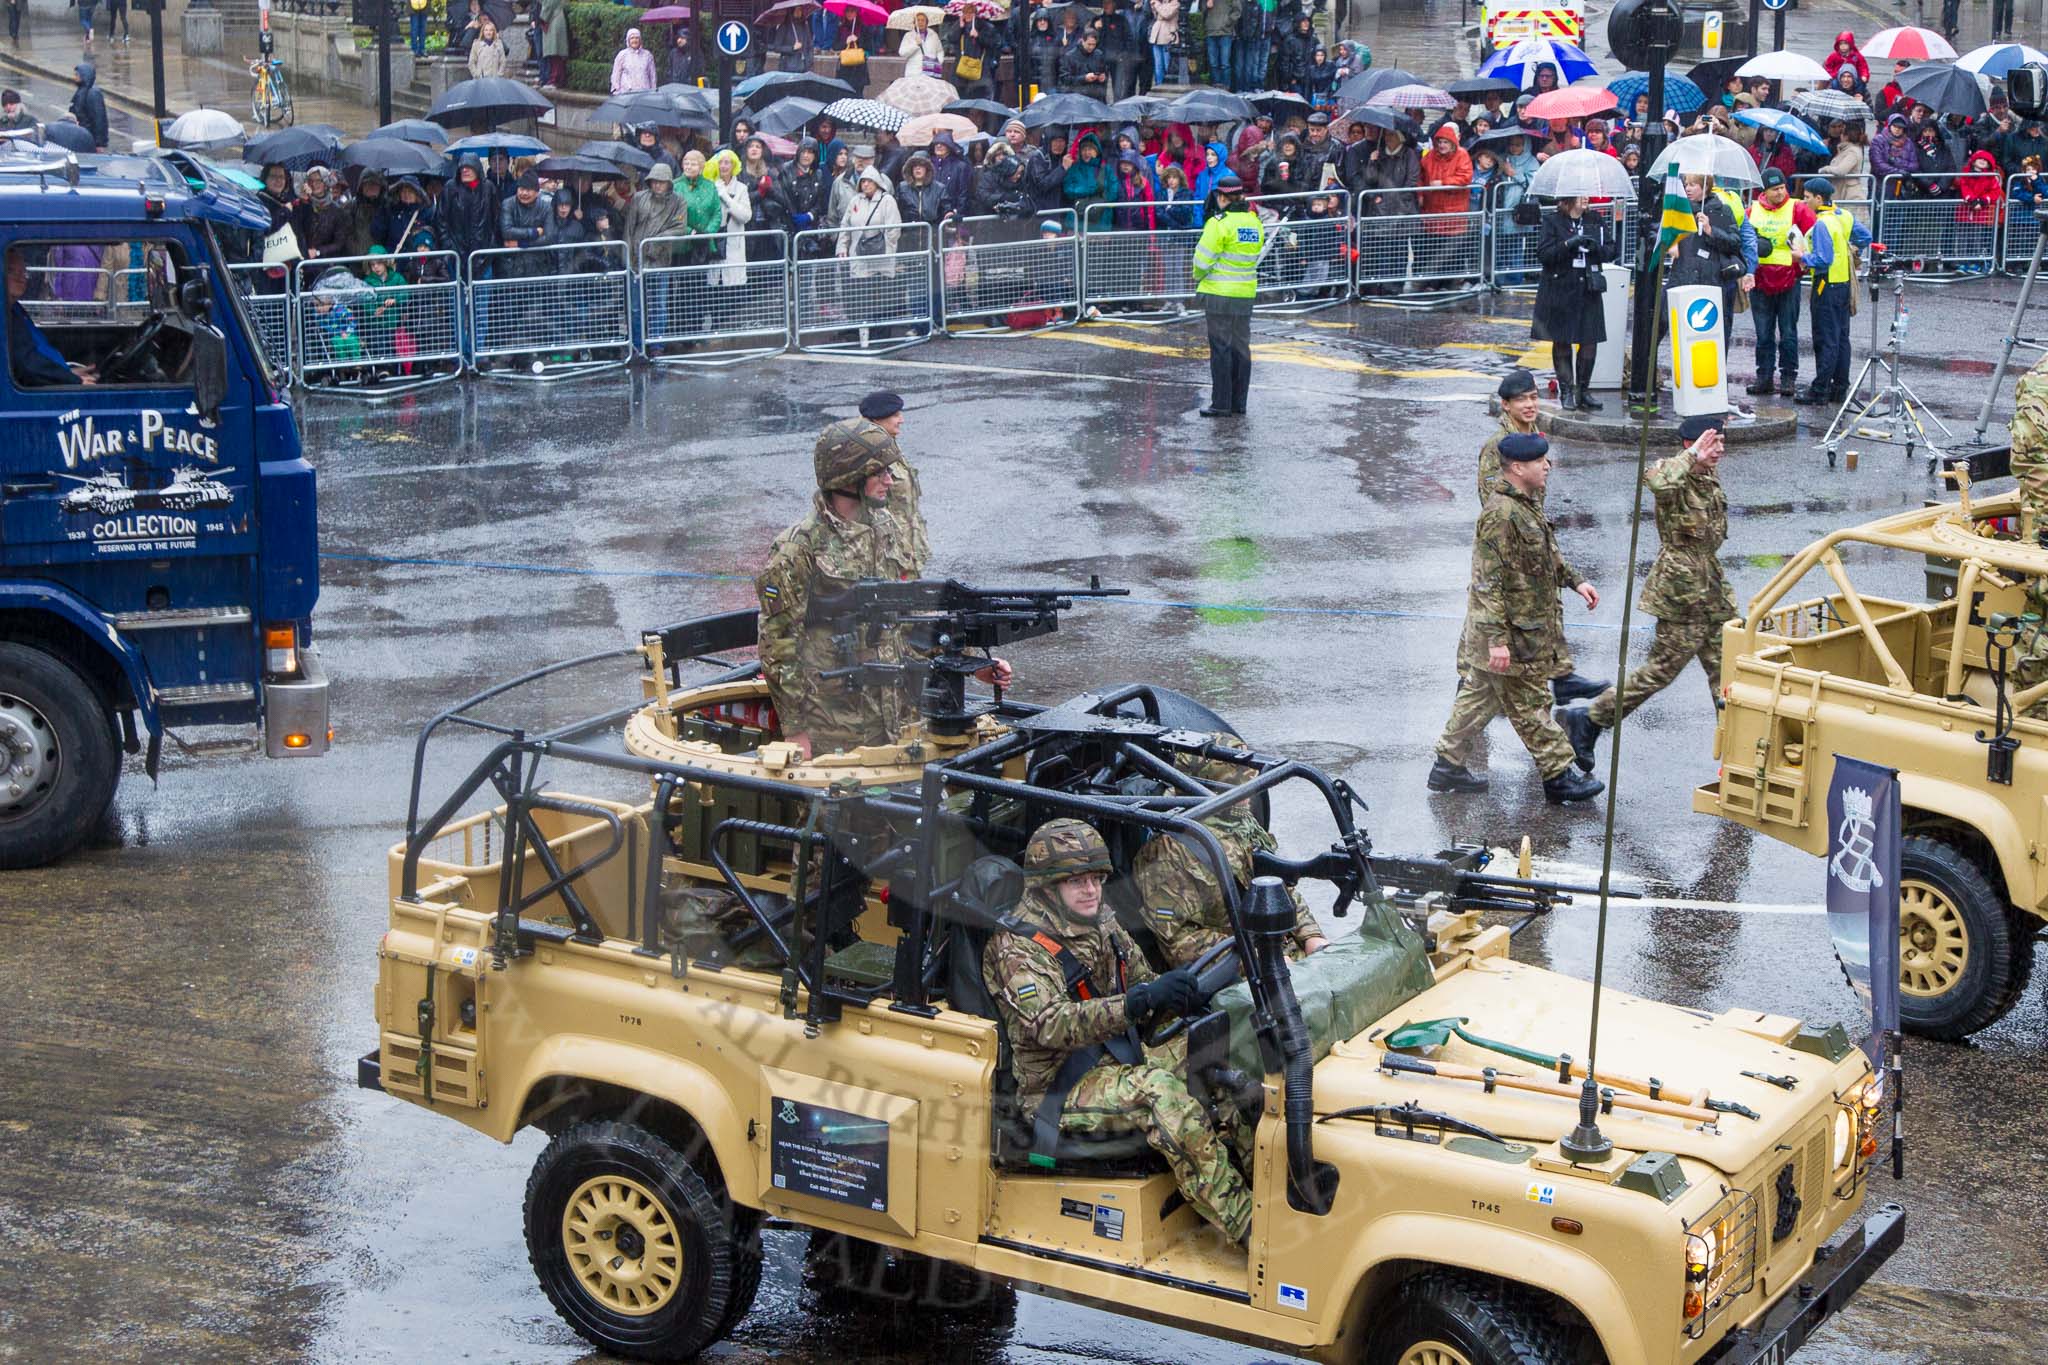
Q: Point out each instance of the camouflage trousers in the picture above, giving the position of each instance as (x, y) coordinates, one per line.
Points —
(1674, 645)
(1150, 1099)
(1482, 695)
(2031, 469)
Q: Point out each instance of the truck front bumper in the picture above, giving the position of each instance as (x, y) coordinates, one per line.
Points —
(295, 711)
(1834, 1277)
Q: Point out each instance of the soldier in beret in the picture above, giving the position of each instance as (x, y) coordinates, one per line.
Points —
(1513, 640)
(885, 410)
(1686, 592)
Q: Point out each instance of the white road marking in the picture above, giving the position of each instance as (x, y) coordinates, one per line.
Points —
(1578, 874)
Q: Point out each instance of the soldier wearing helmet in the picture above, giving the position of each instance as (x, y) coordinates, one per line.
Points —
(1182, 901)
(1073, 992)
(849, 535)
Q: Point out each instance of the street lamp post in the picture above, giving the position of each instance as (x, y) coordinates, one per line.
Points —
(1644, 34)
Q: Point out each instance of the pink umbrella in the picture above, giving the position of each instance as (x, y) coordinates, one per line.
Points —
(867, 11)
(1909, 44)
(1411, 97)
(1575, 101)
(667, 14)
(777, 146)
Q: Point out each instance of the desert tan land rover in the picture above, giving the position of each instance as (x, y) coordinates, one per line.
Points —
(739, 988)
(1911, 685)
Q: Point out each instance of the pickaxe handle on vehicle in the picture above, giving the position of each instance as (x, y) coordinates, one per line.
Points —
(1394, 1061)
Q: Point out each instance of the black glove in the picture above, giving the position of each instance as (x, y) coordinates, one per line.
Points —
(1171, 993)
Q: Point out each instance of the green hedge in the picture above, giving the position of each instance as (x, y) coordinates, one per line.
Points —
(597, 31)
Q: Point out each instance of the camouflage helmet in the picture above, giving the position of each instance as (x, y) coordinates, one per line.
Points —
(1060, 849)
(849, 451)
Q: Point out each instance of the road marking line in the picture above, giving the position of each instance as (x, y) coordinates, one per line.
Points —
(1578, 874)
(1194, 381)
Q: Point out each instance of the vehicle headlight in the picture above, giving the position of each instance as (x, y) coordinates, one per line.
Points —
(1845, 1138)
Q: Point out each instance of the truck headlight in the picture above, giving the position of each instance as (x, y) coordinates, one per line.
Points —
(1844, 1138)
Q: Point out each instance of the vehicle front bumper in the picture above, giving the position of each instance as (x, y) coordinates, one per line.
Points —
(1829, 1283)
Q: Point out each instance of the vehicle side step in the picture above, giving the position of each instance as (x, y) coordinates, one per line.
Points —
(204, 694)
(181, 618)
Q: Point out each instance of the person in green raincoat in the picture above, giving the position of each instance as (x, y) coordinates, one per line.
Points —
(384, 308)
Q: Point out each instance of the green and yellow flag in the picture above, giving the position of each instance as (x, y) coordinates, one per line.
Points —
(1679, 214)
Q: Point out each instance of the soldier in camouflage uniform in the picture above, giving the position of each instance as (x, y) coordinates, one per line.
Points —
(1686, 592)
(1178, 891)
(849, 535)
(885, 410)
(1514, 632)
(1062, 914)
(1518, 407)
(2030, 446)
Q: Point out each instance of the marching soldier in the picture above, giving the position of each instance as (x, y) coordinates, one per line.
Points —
(1514, 631)
(1073, 991)
(1686, 592)
(1178, 891)
(885, 410)
(1518, 404)
(2030, 447)
(849, 535)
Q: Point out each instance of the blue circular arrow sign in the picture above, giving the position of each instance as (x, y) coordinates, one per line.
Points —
(733, 37)
(1702, 316)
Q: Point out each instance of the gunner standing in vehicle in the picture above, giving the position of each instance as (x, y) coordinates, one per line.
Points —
(1073, 991)
(885, 410)
(1686, 591)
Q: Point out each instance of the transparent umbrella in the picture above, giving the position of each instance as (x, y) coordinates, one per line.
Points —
(1708, 154)
(204, 128)
(1785, 66)
(1582, 174)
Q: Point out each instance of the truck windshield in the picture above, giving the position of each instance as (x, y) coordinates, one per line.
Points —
(233, 284)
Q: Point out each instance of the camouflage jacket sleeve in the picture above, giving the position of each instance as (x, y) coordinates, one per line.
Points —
(906, 505)
(1032, 995)
(783, 588)
(1493, 583)
(1179, 901)
(1489, 464)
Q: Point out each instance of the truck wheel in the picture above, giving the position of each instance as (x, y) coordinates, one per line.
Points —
(1958, 969)
(58, 757)
(630, 1244)
(1445, 1318)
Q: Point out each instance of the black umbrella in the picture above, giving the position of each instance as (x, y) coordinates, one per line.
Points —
(1476, 86)
(989, 107)
(1389, 119)
(1138, 108)
(1500, 135)
(1362, 87)
(1064, 111)
(651, 108)
(689, 96)
(488, 101)
(618, 153)
(1944, 89)
(415, 130)
(1211, 106)
(597, 168)
(787, 117)
(391, 156)
(297, 148)
(1278, 103)
(72, 137)
(758, 92)
(1712, 74)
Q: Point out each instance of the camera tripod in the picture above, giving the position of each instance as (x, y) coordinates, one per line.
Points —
(1893, 414)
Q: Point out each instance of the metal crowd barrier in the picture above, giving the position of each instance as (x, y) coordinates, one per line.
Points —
(869, 294)
(695, 309)
(1929, 233)
(1444, 250)
(549, 312)
(992, 270)
(266, 292)
(1307, 263)
(2022, 225)
(360, 337)
(1126, 269)
(1512, 264)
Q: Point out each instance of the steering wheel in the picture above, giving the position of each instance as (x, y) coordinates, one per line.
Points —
(116, 366)
(1214, 971)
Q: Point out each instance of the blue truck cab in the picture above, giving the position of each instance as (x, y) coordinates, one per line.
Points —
(159, 559)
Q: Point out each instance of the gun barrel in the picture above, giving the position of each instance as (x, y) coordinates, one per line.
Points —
(1484, 883)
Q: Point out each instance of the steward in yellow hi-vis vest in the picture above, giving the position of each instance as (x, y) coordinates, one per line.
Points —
(1226, 274)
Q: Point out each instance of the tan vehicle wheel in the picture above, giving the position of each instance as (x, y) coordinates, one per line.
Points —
(1961, 963)
(631, 1245)
(1445, 1318)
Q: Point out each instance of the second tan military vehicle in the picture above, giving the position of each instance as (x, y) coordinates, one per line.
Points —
(732, 984)
(1912, 685)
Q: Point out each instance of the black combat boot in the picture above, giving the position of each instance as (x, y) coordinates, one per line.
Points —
(1567, 397)
(1571, 786)
(1811, 396)
(1579, 727)
(1449, 777)
(1762, 384)
(1575, 687)
(1586, 402)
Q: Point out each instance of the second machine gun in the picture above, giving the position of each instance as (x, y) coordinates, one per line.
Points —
(1458, 875)
(954, 625)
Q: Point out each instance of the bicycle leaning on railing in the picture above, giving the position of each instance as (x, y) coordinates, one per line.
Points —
(270, 98)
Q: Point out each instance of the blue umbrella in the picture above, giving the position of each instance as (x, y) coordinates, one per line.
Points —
(511, 144)
(1788, 126)
(1680, 95)
(1519, 63)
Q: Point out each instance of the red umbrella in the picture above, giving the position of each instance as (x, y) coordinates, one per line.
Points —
(667, 14)
(1574, 101)
(1909, 44)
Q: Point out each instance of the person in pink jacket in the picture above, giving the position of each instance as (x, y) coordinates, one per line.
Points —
(633, 68)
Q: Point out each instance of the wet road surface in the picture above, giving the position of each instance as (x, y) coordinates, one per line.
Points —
(186, 1169)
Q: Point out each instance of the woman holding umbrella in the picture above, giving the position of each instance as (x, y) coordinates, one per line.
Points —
(922, 49)
(1572, 247)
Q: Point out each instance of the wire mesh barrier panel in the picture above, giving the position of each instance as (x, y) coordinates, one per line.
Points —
(1009, 275)
(374, 326)
(1923, 221)
(76, 295)
(701, 306)
(2022, 221)
(1124, 268)
(266, 298)
(870, 290)
(550, 312)
(1423, 259)
(1307, 260)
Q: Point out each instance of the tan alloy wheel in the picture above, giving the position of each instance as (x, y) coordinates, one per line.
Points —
(1434, 1353)
(622, 1245)
(1934, 947)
